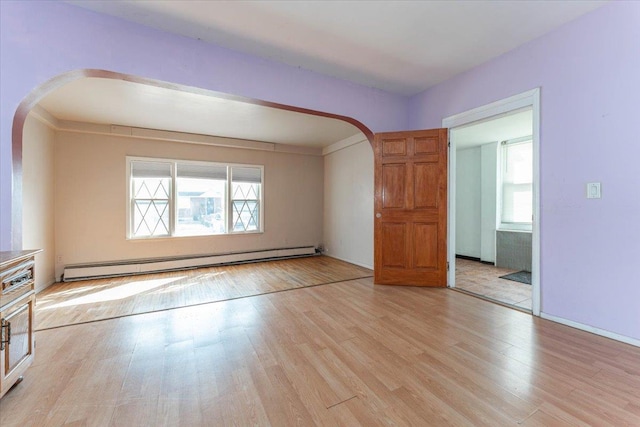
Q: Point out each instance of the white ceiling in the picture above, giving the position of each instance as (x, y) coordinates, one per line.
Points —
(402, 47)
(107, 101)
(501, 128)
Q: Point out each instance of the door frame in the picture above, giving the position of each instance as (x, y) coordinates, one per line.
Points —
(531, 99)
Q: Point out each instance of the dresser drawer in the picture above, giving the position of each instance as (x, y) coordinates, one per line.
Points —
(16, 280)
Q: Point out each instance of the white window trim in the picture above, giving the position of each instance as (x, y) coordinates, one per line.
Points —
(174, 195)
(230, 199)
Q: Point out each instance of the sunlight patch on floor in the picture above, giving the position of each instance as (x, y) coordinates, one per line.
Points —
(117, 293)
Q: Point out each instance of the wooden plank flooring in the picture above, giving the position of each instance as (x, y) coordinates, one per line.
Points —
(347, 353)
(484, 280)
(89, 300)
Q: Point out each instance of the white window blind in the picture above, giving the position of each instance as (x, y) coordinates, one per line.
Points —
(243, 174)
(144, 169)
(196, 170)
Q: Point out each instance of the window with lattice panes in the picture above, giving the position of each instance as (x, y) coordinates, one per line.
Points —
(151, 199)
(173, 198)
(246, 187)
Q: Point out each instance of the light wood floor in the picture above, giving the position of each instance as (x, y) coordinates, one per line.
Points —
(89, 300)
(484, 280)
(347, 353)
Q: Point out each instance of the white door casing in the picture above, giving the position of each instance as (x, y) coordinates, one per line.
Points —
(531, 99)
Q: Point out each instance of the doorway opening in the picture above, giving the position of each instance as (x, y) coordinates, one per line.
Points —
(154, 90)
(493, 235)
(65, 128)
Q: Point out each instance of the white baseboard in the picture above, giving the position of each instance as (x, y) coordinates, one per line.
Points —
(154, 265)
(593, 330)
(370, 267)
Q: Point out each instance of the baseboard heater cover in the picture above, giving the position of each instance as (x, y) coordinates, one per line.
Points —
(156, 265)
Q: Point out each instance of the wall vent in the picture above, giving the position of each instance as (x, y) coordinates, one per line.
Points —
(155, 265)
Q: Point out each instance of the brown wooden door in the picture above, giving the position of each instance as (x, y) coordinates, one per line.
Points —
(410, 246)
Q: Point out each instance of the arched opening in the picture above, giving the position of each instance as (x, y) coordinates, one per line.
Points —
(58, 82)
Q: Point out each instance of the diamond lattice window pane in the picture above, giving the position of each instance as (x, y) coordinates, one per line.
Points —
(246, 206)
(252, 207)
(245, 215)
(162, 190)
(140, 227)
(151, 188)
(140, 189)
(252, 192)
(237, 192)
(150, 207)
(238, 224)
(244, 190)
(151, 218)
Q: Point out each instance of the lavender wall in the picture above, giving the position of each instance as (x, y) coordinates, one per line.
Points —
(588, 71)
(40, 40)
(589, 74)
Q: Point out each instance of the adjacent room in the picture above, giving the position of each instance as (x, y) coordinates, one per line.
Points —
(494, 208)
(205, 181)
(319, 213)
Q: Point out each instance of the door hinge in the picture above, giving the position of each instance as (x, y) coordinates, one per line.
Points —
(447, 265)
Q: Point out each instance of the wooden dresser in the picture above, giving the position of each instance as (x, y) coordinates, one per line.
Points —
(17, 301)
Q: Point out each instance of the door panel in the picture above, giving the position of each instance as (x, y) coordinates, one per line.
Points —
(393, 185)
(395, 237)
(426, 145)
(410, 246)
(394, 147)
(426, 185)
(426, 236)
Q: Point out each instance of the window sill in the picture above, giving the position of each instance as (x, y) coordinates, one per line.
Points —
(514, 230)
(201, 236)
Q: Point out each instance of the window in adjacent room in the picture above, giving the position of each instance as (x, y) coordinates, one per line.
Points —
(150, 199)
(246, 184)
(201, 199)
(517, 184)
(169, 198)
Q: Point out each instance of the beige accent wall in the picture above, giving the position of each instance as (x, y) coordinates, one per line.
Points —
(38, 197)
(348, 204)
(90, 199)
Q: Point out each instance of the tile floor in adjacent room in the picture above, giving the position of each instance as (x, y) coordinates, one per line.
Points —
(484, 279)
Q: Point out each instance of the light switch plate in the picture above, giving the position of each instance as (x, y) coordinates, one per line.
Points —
(593, 190)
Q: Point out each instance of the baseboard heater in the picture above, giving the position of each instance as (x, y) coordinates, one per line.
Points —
(156, 265)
